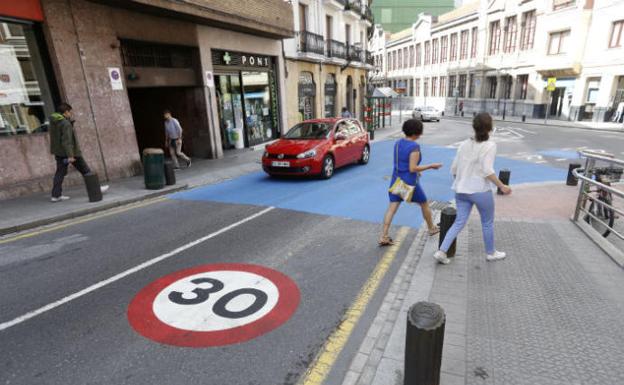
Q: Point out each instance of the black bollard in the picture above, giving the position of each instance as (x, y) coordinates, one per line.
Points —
(423, 344)
(170, 178)
(371, 134)
(94, 191)
(572, 180)
(462, 114)
(504, 175)
(524, 118)
(447, 218)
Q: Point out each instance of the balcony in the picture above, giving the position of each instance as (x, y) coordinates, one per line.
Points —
(367, 15)
(354, 6)
(336, 49)
(336, 4)
(311, 43)
(369, 58)
(355, 54)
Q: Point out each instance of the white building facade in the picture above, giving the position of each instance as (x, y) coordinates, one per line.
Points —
(497, 56)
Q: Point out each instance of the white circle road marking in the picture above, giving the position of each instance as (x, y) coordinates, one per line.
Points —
(200, 316)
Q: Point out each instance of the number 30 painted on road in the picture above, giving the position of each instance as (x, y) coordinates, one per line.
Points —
(213, 305)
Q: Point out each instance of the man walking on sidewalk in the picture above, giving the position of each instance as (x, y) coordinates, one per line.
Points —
(66, 150)
(173, 139)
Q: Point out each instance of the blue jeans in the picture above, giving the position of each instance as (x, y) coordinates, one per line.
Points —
(485, 204)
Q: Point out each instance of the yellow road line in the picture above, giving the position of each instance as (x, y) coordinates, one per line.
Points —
(84, 219)
(325, 359)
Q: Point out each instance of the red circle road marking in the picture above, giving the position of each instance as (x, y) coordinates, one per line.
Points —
(143, 319)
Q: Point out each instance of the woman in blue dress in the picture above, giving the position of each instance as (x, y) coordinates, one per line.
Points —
(407, 166)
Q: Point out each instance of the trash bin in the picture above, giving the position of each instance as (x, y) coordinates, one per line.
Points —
(237, 138)
(154, 168)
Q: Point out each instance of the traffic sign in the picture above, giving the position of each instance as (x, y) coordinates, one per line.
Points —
(213, 305)
(551, 84)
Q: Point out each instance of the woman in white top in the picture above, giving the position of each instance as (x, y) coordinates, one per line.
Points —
(475, 179)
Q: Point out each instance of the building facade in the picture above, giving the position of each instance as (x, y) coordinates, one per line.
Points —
(395, 16)
(497, 56)
(217, 65)
(327, 62)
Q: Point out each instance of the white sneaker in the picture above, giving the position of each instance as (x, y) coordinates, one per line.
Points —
(104, 188)
(496, 256)
(441, 257)
(59, 199)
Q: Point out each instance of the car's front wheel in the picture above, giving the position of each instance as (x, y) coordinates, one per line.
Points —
(365, 155)
(327, 170)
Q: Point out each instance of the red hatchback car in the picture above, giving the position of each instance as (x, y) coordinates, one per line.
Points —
(317, 147)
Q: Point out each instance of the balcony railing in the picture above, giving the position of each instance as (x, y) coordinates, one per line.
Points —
(336, 49)
(311, 42)
(369, 58)
(367, 14)
(354, 6)
(354, 53)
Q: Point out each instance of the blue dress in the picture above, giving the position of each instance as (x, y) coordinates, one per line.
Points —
(404, 148)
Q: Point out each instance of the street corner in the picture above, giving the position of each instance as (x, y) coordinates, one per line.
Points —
(213, 305)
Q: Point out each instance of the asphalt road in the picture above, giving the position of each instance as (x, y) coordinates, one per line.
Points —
(66, 295)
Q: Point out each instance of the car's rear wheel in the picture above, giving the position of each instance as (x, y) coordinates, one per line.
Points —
(328, 167)
(365, 155)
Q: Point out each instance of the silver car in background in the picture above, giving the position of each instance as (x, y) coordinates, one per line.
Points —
(426, 113)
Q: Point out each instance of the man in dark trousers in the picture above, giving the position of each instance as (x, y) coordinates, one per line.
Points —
(66, 150)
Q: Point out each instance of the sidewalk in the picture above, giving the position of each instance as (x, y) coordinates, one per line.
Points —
(35, 210)
(550, 314)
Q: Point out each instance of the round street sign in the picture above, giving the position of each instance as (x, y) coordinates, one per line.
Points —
(213, 305)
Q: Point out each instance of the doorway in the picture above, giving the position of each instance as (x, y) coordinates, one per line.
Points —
(349, 102)
(147, 106)
(557, 102)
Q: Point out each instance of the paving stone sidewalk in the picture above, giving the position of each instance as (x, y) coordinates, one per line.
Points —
(551, 313)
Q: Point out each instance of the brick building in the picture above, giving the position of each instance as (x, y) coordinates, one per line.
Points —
(217, 65)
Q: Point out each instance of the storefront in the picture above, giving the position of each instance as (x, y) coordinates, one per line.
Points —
(26, 82)
(307, 93)
(246, 89)
(330, 96)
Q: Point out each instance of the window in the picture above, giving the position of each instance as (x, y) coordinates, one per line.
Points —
(560, 4)
(434, 86)
(557, 43)
(442, 85)
(443, 48)
(418, 55)
(427, 52)
(492, 83)
(471, 86)
(463, 45)
(507, 82)
(523, 82)
(417, 88)
(593, 85)
(25, 94)
(395, 60)
(426, 87)
(452, 85)
(453, 47)
(411, 56)
(389, 61)
(303, 17)
(400, 52)
(434, 56)
(511, 31)
(616, 34)
(473, 46)
(527, 34)
(495, 34)
(462, 86)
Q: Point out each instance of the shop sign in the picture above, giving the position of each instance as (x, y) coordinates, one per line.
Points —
(229, 58)
(22, 9)
(552, 84)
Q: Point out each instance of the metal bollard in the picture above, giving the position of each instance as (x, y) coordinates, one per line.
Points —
(504, 175)
(170, 178)
(524, 118)
(371, 134)
(447, 218)
(571, 180)
(423, 344)
(94, 191)
(462, 114)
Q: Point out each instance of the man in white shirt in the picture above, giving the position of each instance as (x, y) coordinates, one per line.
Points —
(173, 139)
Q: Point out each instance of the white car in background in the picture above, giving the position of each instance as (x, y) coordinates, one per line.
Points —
(426, 113)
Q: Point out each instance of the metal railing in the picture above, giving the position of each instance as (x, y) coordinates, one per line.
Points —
(595, 212)
(311, 42)
(336, 49)
(367, 14)
(355, 6)
(354, 53)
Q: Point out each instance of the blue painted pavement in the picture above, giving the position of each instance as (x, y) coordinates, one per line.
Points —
(357, 192)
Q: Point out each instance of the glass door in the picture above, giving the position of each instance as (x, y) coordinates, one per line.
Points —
(258, 109)
(229, 101)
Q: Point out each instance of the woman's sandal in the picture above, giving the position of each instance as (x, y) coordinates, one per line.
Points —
(386, 241)
(434, 231)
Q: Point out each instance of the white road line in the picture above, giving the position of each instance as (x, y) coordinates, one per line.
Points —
(540, 161)
(50, 306)
(561, 159)
(525, 130)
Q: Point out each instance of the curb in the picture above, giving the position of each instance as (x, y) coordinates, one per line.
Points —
(88, 211)
(621, 130)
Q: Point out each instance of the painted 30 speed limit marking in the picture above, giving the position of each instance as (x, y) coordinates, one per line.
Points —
(213, 305)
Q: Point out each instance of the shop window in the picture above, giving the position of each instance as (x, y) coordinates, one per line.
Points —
(307, 93)
(523, 83)
(259, 111)
(330, 96)
(25, 95)
(492, 85)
